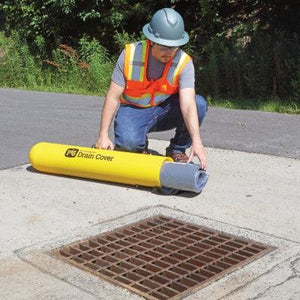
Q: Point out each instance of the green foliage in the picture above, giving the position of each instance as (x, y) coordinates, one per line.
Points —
(18, 68)
(66, 21)
(100, 66)
(258, 68)
(211, 72)
(264, 66)
(86, 70)
(122, 38)
(241, 48)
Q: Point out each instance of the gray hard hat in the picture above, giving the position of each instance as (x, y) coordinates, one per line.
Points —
(166, 28)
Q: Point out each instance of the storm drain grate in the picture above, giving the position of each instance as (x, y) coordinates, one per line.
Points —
(162, 257)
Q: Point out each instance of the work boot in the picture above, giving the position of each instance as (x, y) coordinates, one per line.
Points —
(180, 157)
(145, 151)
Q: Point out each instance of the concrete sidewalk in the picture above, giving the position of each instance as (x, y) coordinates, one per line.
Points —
(254, 196)
(250, 195)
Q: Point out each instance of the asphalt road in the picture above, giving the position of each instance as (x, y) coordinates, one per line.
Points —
(29, 117)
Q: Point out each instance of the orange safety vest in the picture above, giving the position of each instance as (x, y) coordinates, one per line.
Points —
(140, 91)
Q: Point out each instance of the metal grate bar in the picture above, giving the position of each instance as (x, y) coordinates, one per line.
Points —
(162, 257)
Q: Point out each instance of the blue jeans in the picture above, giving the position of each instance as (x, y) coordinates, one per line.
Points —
(132, 124)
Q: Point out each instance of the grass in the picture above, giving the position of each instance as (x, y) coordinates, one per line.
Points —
(57, 89)
(268, 105)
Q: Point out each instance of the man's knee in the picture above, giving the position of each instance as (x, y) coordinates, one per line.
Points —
(201, 107)
(129, 143)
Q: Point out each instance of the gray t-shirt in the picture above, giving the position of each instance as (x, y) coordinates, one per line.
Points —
(154, 71)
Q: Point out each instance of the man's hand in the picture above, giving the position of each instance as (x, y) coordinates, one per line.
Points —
(190, 116)
(104, 143)
(199, 151)
(112, 100)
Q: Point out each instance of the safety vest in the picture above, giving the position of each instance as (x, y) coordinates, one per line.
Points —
(140, 91)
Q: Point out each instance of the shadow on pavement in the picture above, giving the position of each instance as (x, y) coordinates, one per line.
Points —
(155, 191)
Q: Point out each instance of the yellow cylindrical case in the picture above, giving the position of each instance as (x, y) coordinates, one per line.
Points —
(107, 165)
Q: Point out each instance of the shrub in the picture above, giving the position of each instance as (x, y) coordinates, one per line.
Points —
(84, 70)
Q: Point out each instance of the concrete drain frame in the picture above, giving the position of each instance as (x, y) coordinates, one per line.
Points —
(253, 278)
(162, 257)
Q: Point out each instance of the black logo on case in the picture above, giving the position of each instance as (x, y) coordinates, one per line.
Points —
(71, 152)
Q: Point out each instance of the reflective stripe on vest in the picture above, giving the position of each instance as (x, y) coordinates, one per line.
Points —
(135, 61)
(139, 90)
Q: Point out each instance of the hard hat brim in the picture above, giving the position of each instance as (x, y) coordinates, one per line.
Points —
(171, 43)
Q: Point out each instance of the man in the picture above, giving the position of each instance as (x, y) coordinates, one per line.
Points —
(154, 83)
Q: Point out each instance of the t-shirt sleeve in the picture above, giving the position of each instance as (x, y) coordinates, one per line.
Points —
(118, 74)
(187, 76)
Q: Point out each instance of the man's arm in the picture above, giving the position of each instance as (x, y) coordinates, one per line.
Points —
(190, 117)
(111, 103)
